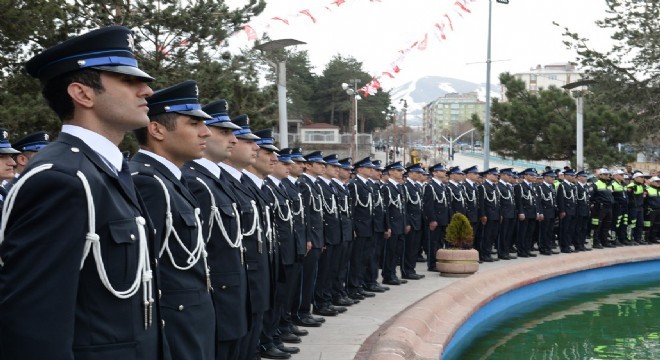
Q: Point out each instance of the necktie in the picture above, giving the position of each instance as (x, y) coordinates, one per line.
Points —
(125, 179)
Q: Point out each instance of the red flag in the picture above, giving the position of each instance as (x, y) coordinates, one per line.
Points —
(451, 27)
(441, 28)
(422, 45)
(376, 83)
(460, 5)
(339, 2)
(388, 74)
(281, 19)
(396, 69)
(306, 12)
(251, 34)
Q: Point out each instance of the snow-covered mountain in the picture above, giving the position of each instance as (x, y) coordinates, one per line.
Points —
(424, 90)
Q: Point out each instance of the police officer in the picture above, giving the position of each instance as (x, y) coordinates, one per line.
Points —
(253, 223)
(620, 208)
(435, 212)
(373, 256)
(470, 183)
(652, 210)
(102, 279)
(508, 212)
(413, 195)
(583, 213)
(602, 198)
(548, 204)
(175, 134)
(489, 212)
(220, 225)
(567, 209)
(527, 210)
(395, 202)
(456, 192)
(7, 163)
(635, 191)
(29, 146)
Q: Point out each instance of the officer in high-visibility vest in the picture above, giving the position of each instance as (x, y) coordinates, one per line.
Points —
(602, 201)
(620, 208)
(635, 206)
(652, 210)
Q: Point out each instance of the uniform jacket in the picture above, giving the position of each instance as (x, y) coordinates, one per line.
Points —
(507, 200)
(331, 221)
(456, 197)
(413, 205)
(282, 219)
(313, 203)
(395, 201)
(380, 218)
(547, 200)
(344, 207)
(526, 202)
(488, 202)
(42, 252)
(583, 203)
(362, 202)
(471, 206)
(227, 267)
(256, 252)
(436, 203)
(297, 207)
(186, 302)
(566, 198)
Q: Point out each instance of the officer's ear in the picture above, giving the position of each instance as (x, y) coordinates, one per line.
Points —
(157, 131)
(81, 95)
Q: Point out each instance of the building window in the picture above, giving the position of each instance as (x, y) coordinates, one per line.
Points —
(552, 77)
(533, 87)
(532, 77)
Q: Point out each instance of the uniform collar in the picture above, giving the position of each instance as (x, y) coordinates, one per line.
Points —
(313, 178)
(231, 170)
(361, 178)
(210, 166)
(259, 182)
(97, 142)
(168, 164)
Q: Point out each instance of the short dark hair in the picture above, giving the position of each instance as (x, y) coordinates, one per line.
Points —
(55, 90)
(166, 119)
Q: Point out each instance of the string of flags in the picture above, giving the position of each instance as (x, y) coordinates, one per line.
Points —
(446, 23)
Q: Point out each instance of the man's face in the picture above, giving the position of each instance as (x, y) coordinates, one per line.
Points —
(244, 153)
(265, 162)
(375, 174)
(281, 170)
(315, 168)
(186, 142)
(618, 177)
(331, 171)
(639, 179)
(396, 175)
(491, 177)
(604, 177)
(570, 178)
(344, 174)
(549, 179)
(220, 144)
(122, 104)
(296, 168)
(582, 179)
(7, 164)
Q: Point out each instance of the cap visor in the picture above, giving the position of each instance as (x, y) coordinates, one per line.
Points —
(225, 125)
(9, 151)
(248, 136)
(286, 161)
(269, 147)
(128, 70)
(195, 113)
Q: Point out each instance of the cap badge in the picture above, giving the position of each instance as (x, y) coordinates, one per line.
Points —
(5, 134)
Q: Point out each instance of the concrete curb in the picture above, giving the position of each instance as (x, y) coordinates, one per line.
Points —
(423, 330)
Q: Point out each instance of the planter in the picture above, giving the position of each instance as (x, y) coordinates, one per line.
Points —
(457, 262)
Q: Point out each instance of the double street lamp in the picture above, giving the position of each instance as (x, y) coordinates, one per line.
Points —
(280, 69)
(579, 126)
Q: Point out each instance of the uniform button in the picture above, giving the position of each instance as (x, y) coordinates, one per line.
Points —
(160, 294)
(224, 286)
(163, 323)
(75, 149)
(181, 307)
(147, 165)
(133, 237)
(155, 262)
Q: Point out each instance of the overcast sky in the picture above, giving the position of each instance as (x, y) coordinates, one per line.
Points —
(375, 31)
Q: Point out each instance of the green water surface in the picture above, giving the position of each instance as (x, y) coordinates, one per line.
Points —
(623, 323)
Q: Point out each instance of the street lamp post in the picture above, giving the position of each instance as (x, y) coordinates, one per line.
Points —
(451, 141)
(405, 129)
(280, 69)
(579, 125)
(352, 90)
(488, 61)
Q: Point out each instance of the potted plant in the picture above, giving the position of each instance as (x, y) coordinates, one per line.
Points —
(460, 259)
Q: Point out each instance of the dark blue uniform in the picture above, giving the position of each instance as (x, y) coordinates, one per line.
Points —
(567, 208)
(220, 218)
(362, 204)
(413, 196)
(394, 200)
(435, 209)
(313, 204)
(186, 304)
(50, 306)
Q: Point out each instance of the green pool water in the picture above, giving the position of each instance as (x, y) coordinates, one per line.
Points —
(621, 323)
